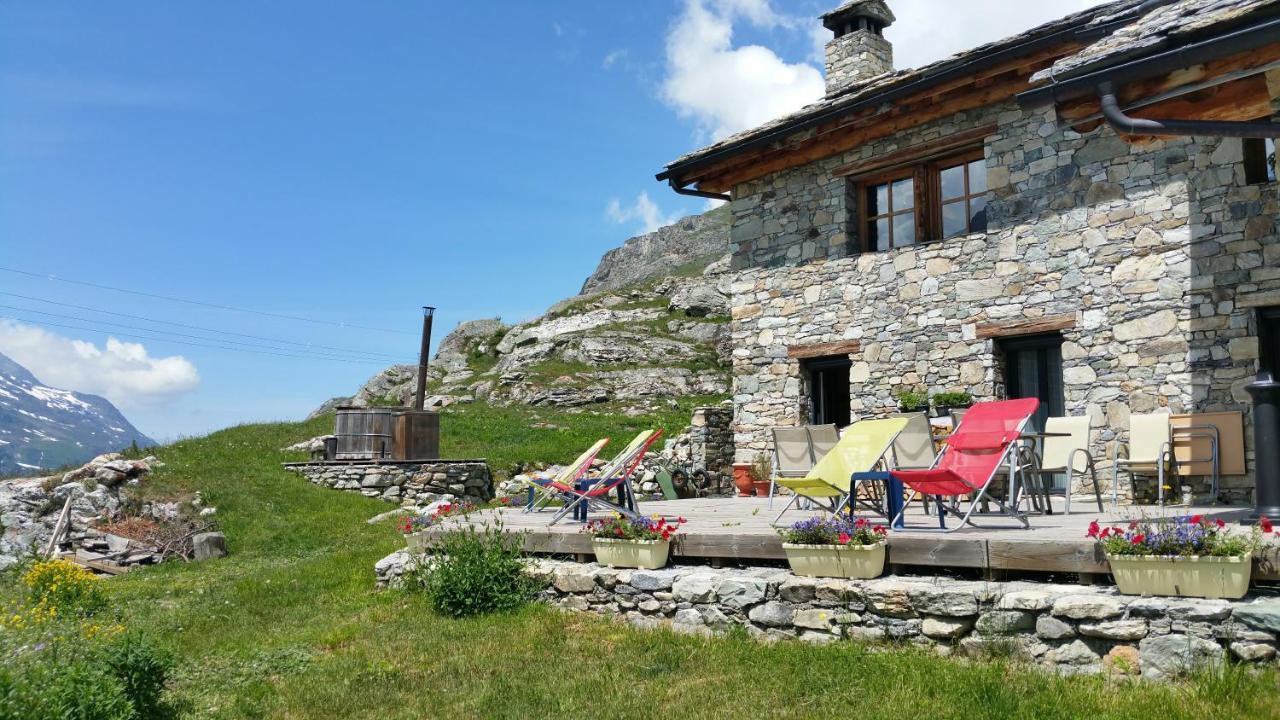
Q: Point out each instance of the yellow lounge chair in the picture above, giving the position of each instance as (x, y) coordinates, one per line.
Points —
(861, 448)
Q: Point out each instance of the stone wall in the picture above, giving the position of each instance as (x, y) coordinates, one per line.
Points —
(415, 483)
(1157, 253)
(708, 444)
(855, 58)
(1066, 628)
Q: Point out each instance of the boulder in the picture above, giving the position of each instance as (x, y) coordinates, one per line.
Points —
(209, 545)
(1170, 656)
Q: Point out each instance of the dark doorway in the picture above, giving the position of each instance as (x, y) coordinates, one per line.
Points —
(1033, 369)
(829, 390)
(1269, 340)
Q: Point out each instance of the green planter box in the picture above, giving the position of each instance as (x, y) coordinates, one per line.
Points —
(644, 554)
(1192, 576)
(838, 561)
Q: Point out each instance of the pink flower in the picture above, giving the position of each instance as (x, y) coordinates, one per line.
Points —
(844, 538)
(1094, 529)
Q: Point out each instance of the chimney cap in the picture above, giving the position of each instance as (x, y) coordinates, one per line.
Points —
(874, 9)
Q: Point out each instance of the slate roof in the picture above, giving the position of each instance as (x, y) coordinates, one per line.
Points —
(888, 81)
(1161, 28)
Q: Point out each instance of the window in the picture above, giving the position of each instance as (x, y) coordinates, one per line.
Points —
(891, 214)
(963, 192)
(1259, 160)
(829, 390)
(930, 201)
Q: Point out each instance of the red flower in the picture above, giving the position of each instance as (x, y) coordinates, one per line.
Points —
(1265, 524)
(681, 520)
(861, 523)
(617, 531)
(1197, 519)
(1133, 524)
(844, 538)
(1094, 530)
(1138, 539)
(1105, 532)
(1219, 523)
(881, 530)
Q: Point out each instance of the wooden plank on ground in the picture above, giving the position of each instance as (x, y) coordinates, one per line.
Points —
(1046, 555)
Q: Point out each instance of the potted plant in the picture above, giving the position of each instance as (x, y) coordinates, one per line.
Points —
(762, 474)
(945, 402)
(624, 543)
(839, 547)
(911, 401)
(742, 479)
(1184, 557)
(414, 527)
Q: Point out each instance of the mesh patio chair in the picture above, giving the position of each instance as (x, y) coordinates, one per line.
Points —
(913, 449)
(795, 451)
(1150, 452)
(986, 439)
(1068, 455)
(614, 476)
(861, 448)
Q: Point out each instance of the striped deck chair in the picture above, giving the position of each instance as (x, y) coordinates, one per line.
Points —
(861, 448)
(614, 476)
(545, 490)
(986, 439)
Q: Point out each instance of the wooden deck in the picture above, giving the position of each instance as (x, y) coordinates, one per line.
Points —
(737, 530)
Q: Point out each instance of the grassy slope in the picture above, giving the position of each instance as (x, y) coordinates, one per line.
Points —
(289, 626)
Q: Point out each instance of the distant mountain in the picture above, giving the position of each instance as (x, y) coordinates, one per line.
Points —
(44, 427)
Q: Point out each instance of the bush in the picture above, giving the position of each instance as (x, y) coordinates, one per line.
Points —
(474, 572)
(952, 400)
(909, 401)
(72, 668)
(64, 586)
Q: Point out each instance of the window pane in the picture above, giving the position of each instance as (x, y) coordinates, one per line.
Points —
(952, 182)
(880, 234)
(904, 229)
(978, 214)
(1270, 150)
(904, 194)
(977, 176)
(953, 219)
(877, 200)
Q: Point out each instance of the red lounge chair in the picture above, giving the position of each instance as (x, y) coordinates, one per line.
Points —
(614, 476)
(986, 439)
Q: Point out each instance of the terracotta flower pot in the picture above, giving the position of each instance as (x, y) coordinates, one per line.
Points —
(742, 479)
(761, 488)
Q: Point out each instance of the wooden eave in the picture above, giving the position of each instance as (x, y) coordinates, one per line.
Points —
(984, 87)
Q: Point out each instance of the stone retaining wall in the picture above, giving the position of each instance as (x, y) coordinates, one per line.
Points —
(418, 483)
(1067, 628)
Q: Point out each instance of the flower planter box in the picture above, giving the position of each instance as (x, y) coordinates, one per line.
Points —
(644, 554)
(1193, 576)
(417, 542)
(838, 561)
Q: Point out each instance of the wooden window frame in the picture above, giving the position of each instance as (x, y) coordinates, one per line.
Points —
(927, 187)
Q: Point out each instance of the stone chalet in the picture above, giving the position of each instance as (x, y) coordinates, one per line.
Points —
(977, 224)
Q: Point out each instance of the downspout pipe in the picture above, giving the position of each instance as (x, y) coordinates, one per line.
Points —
(698, 193)
(1122, 123)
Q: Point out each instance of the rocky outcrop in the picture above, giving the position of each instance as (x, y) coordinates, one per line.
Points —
(651, 326)
(30, 507)
(692, 240)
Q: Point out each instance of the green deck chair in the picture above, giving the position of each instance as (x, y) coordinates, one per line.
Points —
(861, 448)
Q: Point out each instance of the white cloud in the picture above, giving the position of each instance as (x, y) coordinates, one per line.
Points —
(727, 89)
(123, 372)
(723, 88)
(924, 32)
(614, 57)
(643, 210)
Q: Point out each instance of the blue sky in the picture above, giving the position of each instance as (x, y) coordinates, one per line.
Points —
(351, 162)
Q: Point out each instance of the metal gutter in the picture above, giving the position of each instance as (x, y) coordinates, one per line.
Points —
(697, 193)
(1080, 86)
(1140, 126)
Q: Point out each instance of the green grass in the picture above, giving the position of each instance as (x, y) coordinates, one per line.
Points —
(290, 626)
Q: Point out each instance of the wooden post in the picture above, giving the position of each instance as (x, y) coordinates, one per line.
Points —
(63, 519)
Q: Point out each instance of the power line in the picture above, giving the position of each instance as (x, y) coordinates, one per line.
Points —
(163, 333)
(200, 303)
(279, 341)
(44, 323)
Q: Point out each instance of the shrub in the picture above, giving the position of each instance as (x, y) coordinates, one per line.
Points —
(64, 586)
(952, 400)
(475, 572)
(909, 401)
(73, 668)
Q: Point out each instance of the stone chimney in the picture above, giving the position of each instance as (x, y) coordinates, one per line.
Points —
(858, 51)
